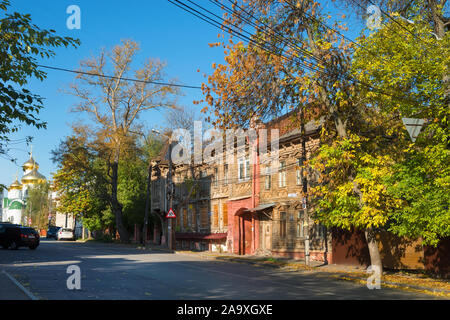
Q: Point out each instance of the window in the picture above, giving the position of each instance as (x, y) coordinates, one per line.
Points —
(268, 178)
(299, 171)
(299, 177)
(300, 224)
(319, 230)
(282, 175)
(225, 174)
(282, 224)
(247, 169)
(216, 177)
(243, 169)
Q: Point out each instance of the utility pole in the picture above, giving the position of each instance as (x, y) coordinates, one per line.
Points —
(305, 186)
(170, 193)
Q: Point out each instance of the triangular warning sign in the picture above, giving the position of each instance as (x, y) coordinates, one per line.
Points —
(413, 126)
(171, 214)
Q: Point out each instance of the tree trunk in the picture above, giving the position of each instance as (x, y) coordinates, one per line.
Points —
(147, 206)
(116, 207)
(374, 252)
(163, 228)
(370, 235)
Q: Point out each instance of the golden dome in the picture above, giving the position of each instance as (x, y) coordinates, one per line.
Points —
(15, 186)
(33, 177)
(30, 164)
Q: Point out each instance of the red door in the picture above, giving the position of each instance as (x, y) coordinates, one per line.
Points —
(247, 233)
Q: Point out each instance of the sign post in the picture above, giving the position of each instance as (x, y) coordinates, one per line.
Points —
(170, 214)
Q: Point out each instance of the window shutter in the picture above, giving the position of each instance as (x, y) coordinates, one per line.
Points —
(204, 217)
(215, 216)
(225, 215)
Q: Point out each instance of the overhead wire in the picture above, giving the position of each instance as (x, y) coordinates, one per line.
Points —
(120, 78)
(220, 26)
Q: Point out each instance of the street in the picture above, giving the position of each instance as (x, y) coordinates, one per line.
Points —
(113, 272)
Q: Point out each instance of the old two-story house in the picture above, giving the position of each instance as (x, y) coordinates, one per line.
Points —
(253, 206)
(287, 221)
(244, 206)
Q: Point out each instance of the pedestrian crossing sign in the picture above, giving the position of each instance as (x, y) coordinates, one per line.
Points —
(171, 214)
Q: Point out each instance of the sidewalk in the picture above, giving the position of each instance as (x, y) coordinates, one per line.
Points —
(399, 280)
(9, 290)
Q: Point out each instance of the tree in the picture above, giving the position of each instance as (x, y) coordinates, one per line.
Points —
(151, 146)
(418, 66)
(295, 61)
(79, 182)
(21, 44)
(116, 105)
(185, 118)
(38, 204)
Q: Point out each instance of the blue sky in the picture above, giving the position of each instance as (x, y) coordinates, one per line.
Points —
(163, 31)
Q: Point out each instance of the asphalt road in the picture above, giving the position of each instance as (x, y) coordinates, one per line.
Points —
(115, 272)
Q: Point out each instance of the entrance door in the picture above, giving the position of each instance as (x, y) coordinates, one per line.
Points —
(267, 235)
(248, 233)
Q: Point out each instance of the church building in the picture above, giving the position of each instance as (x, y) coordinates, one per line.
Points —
(14, 204)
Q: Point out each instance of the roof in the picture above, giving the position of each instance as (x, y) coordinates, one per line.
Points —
(33, 176)
(15, 185)
(30, 163)
(262, 207)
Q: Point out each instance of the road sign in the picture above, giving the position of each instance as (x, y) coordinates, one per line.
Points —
(171, 214)
(413, 126)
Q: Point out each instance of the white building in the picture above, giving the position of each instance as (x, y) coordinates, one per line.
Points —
(13, 205)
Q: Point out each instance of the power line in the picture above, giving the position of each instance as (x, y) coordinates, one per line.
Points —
(335, 31)
(391, 18)
(233, 12)
(124, 79)
(219, 25)
(238, 34)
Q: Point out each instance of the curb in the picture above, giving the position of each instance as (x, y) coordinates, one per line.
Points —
(340, 276)
(427, 290)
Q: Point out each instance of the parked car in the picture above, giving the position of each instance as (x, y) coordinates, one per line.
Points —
(65, 234)
(15, 236)
(52, 231)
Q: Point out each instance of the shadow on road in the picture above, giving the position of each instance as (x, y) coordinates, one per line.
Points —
(110, 271)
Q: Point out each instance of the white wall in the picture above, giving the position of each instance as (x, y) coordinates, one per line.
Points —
(60, 221)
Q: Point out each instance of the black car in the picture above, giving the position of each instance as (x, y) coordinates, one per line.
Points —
(52, 231)
(15, 236)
